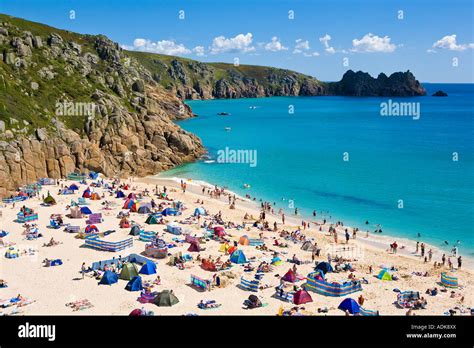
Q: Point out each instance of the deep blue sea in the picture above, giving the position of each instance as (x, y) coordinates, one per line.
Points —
(399, 172)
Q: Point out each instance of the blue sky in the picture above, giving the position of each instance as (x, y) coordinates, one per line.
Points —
(434, 39)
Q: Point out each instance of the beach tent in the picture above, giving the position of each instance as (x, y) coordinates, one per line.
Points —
(92, 229)
(238, 257)
(129, 270)
(95, 197)
(301, 297)
(449, 281)
(231, 250)
(73, 187)
(349, 305)
(109, 278)
(144, 210)
(152, 220)
(194, 247)
(384, 275)
(12, 253)
(244, 240)
(128, 204)
(324, 266)
(49, 200)
(174, 228)
(307, 246)
(290, 276)
(169, 212)
(120, 194)
(75, 213)
(135, 230)
(86, 193)
(132, 196)
(224, 247)
(86, 211)
(135, 284)
(276, 261)
(166, 298)
(200, 211)
(134, 208)
(219, 231)
(148, 268)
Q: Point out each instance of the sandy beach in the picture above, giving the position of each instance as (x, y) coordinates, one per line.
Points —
(50, 288)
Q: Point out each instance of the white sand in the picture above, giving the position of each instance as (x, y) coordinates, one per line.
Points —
(52, 287)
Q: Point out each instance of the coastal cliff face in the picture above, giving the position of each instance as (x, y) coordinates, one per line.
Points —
(72, 102)
(399, 84)
(189, 79)
(75, 102)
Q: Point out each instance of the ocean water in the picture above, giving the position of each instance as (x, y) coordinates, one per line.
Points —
(339, 156)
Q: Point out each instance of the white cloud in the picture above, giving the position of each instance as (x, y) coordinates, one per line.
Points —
(240, 43)
(449, 42)
(199, 51)
(168, 47)
(302, 46)
(325, 41)
(275, 45)
(373, 43)
(311, 54)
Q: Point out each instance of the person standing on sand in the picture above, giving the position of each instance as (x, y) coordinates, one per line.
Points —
(422, 246)
(283, 219)
(459, 262)
(417, 247)
(83, 269)
(347, 237)
(430, 254)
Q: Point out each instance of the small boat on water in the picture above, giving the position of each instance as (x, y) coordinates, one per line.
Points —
(252, 107)
(246, 186)
(227, 129)
(223, 114)
(209, 161)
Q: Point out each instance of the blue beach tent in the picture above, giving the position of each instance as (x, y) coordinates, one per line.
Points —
(86, 210)
(238, 257)
(135, 284)
(349, 305)
(200, 211)
(109, 278)
(148, 268)
(325, 267)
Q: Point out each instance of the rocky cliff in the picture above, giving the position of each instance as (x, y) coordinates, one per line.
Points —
(79, 102)
(400, 84)
(75, 102)
(189, 79)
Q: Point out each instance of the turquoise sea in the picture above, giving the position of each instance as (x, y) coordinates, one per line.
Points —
(400, 172)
